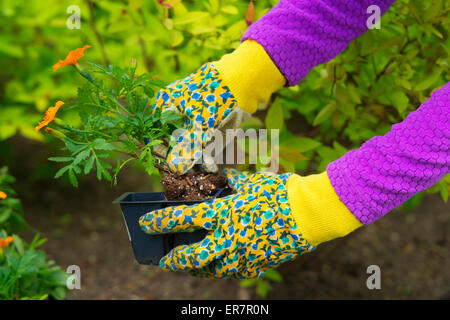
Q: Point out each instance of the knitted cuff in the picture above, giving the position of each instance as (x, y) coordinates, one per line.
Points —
(250, 74)
(317, 210)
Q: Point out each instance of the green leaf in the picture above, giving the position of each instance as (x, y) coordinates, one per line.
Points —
(275, 116)
(443, 190)
(5, 214)
(252, 123)
(73, 178)
(62, 171)
(263, 288)
(324, 114)
(190, 17)
(101, 144)
(399, 100)
(247, 283)
(81, 156)
(290, 154)
(429, 81)
(230, 9)
(61, 159)
(273, 275)
(302, 144)
(89, 165)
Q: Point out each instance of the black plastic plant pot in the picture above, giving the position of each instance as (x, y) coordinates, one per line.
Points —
(149, 249)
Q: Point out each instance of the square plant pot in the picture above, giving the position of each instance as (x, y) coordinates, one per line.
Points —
(149, 249)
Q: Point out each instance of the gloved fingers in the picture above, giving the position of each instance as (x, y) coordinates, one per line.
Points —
(164, 101)
(190, 257)
(189, 149)
(186, 153)
(178, 219)
(236, 178)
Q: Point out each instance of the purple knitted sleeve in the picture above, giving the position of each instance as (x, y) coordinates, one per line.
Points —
(300, 34)
(386, 171)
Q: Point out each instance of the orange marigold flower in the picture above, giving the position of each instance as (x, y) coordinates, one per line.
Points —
(2, 195)
(4, 242)
(71, 59)
(49, 115)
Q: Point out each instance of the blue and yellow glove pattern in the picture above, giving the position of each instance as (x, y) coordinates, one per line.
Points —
(206, 105)
(249, 232)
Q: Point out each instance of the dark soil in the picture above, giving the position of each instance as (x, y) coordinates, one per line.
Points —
(192, 186)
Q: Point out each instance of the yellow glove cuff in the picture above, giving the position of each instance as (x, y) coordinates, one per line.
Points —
(250, 74)
(317, 210)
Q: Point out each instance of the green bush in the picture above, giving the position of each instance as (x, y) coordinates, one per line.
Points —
(25, 271)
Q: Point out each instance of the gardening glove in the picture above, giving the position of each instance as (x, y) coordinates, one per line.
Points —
(218, 96)
(269, 220)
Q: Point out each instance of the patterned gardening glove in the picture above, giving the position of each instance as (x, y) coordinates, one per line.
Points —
(206, 105)
(249, 232)
(218, 96)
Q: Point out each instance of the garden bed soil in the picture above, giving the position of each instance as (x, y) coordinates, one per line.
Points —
(192, 186)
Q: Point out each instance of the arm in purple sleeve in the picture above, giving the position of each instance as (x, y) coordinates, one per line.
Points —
(301, 34)
(386, 171)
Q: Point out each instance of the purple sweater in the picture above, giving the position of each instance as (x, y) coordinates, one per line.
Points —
(387, 170)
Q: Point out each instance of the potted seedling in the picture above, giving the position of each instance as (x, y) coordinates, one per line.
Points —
(117, 124)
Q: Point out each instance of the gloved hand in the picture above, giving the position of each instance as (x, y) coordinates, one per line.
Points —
(269, 220)
(249, 231)
(218, 96)
(206, 105)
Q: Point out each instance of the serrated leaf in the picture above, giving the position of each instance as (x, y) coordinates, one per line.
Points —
(81, 156)
(89, 165)
(101, 144)
(73, 178)
(62, 171)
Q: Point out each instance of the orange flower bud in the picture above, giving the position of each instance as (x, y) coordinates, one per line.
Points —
(4, 242)
(49, 115)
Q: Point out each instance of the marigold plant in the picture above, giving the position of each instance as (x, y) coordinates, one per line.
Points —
(115, 117)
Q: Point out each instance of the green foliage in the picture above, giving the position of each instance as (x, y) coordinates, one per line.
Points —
(114, 119)
(11, 214)
(27, 274)
(25, 271)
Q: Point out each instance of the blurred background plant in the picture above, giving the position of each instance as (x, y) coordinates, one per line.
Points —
(379, 79)
(25, 271)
